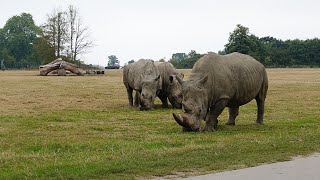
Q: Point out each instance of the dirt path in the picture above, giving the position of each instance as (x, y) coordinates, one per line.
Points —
(298, 169)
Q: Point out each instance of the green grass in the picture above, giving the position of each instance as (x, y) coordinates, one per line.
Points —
(88, 132)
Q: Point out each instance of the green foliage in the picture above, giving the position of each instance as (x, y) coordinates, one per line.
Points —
(17, 36)
(183, 61)
(7, 57)
(112, 60)
(273, 52)
(43, 51)
(179, 56)
(131, 61)
(25, 45)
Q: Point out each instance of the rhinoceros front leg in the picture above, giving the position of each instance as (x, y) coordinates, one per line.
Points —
(214, 113)
(164, 100)
(136, 99)
(233, 113)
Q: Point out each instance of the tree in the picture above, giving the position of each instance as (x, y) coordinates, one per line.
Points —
(192, 54)
(56, 31)
(113, 60)
(7, 58)
(43, 51)
(131, 61)
(179, 56)
(17, 38)
(240, 41)
(67, 34)
(79, 36)
(184, 61)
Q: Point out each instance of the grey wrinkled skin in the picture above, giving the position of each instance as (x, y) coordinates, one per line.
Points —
(143, 77)
(219, 81)
(171, 88)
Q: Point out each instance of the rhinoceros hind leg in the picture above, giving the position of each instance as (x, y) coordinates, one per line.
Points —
(260, 104)
(233, 113)
(130, 97)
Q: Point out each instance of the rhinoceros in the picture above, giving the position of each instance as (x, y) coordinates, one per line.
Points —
(171, 89)
(219, 81)
(143, 77)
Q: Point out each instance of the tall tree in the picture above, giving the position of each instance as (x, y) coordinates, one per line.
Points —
(112, 60)
(242, 41)
(179, 56)
(17, 36)
(43, 51)
(72, 15)
(67, 34)
(56, 29)
(239, 41)
(82, 41)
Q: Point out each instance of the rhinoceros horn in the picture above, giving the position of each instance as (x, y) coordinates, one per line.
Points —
(182, 121)
(179, 80)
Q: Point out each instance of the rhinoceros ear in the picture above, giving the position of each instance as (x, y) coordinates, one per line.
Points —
(203, 81)
(171, 78)
(182, 75)
(179, 80)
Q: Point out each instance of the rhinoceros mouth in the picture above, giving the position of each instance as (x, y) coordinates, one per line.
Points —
(184, 121)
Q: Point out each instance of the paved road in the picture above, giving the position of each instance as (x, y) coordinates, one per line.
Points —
(298, 169)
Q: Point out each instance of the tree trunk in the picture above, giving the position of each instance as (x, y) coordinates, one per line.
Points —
(61, 72)
(59, 64)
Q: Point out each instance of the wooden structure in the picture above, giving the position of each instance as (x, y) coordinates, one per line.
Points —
(61, 67)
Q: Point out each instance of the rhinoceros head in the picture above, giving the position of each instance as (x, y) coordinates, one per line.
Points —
(194, 103)
(175, 91)
(150, 87)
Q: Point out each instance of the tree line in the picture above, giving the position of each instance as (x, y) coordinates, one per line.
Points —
(23, 44)
(270, 51)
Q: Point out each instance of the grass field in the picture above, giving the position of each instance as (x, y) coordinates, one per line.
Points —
(81, 128)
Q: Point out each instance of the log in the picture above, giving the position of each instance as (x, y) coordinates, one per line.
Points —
(62, 72)
(59, 64)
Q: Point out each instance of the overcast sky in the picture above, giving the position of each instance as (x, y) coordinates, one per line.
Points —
(155, 29)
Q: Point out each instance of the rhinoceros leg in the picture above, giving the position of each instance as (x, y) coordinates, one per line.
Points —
(130, 98)
(211, 122)
(136, 99)
(212, 116)
(164, 100)
(260, 104)
(233, 113)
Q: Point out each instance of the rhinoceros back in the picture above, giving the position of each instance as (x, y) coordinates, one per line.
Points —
(135, 70)
(165, 69)
(237, 76)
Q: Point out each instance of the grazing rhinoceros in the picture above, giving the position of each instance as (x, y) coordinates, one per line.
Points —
(171, 88)
(143, 77)
(219, 81)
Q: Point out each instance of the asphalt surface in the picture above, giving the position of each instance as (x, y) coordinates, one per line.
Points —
(307, 168)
